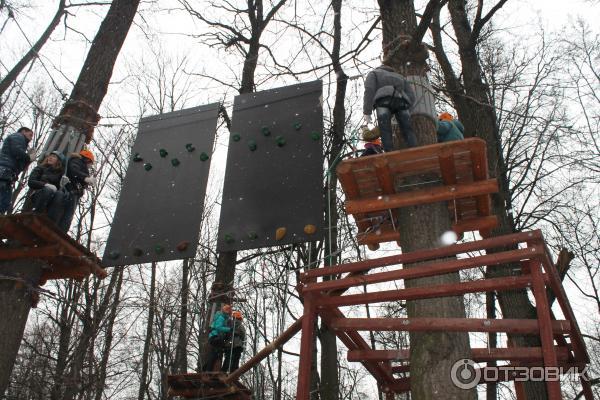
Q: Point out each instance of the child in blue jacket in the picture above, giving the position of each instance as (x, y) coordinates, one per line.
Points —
(218, 335)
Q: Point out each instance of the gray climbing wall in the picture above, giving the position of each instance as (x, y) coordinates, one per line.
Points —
(160, 208)
(274, 176)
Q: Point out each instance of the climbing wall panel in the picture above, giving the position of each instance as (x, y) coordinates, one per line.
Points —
(160, 207)
(273, 191)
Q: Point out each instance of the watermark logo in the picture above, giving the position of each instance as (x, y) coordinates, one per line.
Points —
(466, 375)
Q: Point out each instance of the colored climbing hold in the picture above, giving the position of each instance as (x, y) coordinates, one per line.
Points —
(163, 153)
(310, 229)
(203, 156)
(158, 249)
(297, 126)
(175, 162)
(137, 157)
(315, 135)
(236, 137)
(280, 140)
(265, 130)
(138, 252)
(147, 166)
(189, 147)
(182, 246)
(252, 144)
(229, 238)
(252, 235)
(280, 233)
(113, 255)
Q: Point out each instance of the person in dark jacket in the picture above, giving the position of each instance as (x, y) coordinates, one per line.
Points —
(44, 182)
(220, 332)
(234, 350)
(14, 159)
(449, 129)
(389, 93)
(78, 174)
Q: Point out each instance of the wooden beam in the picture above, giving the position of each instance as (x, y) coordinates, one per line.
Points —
(516, 326)
(421, 196)
(44, 251)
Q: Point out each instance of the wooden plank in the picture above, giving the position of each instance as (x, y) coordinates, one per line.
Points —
(516, 326)
(421, 196)
(44, 252)
(475, 224)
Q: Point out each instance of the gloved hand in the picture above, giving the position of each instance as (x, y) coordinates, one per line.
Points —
(50, 186)
(367, 119)
(64, 181)
(90, 180)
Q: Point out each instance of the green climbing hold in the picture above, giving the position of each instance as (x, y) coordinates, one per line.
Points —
(190, 147)
(236, 137)
(163, 153)
(138, 252)
(280, 141)
(175, 162)
(252, 235)
(137, 157)
(315, 135)
(147, 166)
(265, 130)
(297, 126)
(203, 156)
(229, 238)
(252, 144)
(158, 249)
(113, 255)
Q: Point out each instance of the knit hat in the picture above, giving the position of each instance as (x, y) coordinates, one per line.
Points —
(237, 314)
(370, 134)
(445, 117)
(87, 154)
(60, 156)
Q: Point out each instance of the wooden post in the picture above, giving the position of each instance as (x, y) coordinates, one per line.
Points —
(306, 351)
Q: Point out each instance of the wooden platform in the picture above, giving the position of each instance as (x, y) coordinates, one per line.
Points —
(455, 172)
(206, 385)
(34, 236)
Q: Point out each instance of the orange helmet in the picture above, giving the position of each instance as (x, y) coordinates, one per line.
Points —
(87, 154)
(237, 314)
(377, 141)
(445, 117)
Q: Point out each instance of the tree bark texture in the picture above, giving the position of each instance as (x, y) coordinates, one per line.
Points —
(149, 325)
(16, 280)
(431, 354)
(475, 109)
(81, 110)
(13, 74)
(181, 350)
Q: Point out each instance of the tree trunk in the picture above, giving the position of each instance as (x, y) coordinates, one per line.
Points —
(16, 299)
(13, 74)
(431, 354)
(475, 108)
(181, 350)
(148, 340)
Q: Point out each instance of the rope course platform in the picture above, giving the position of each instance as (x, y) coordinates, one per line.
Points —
(29, 236)
(206, 385)
(562, 344)
(455, 172)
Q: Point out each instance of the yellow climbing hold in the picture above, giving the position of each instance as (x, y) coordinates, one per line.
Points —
(310, 229)
(280, 233)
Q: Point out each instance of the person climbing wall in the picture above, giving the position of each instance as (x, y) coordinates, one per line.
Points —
(449, 129)
(389, 93)
(219, 334)
(78, 179)
(233, 351)
(14, 159)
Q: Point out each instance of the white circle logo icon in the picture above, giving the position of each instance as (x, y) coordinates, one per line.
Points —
(464, 375)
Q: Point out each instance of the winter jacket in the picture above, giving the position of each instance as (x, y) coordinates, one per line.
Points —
(382, 82)
(77, 171)
(219, 324)
(13, 156)
(238, 332)
(450, 130)
(43, 174)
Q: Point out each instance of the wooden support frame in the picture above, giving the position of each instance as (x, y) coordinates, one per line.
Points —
(34, 236)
